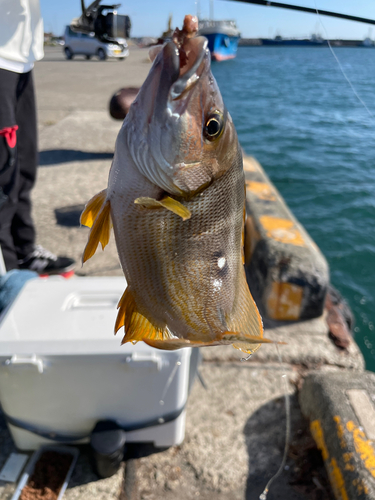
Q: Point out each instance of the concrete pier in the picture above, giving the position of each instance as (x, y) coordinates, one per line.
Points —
(288, 274)
(236, 424)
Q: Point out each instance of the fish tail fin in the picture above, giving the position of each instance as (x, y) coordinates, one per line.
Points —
(97, 215)
(137, 327)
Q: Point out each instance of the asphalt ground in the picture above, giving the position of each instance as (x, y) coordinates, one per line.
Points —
(235, 428)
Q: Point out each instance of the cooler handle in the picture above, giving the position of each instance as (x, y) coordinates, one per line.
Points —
(141, 360)
(32, 360)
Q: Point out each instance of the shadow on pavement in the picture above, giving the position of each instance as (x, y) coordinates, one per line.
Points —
(69, 216)
(304, 476)
(56, 156)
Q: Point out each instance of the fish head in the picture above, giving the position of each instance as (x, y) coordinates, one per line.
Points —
(179, 133)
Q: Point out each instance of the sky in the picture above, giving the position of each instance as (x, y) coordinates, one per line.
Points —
(150, 17)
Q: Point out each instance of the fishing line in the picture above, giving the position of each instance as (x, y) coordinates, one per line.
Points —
(340, 65)
(169, 381)
(263, 496)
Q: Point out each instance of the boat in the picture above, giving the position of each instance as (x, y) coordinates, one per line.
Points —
(315, 40)
(223, 37)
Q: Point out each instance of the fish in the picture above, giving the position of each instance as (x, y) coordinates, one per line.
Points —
(176, 201)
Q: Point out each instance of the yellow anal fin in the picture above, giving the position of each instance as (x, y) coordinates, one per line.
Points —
(92, 208)
(99, 233)
(167, 202)
(121, 306)
(137, 327)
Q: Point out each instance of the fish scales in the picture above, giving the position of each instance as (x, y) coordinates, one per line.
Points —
(176, 199)
(164, 247)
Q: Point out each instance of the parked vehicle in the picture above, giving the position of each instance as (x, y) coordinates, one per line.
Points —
(86, 44)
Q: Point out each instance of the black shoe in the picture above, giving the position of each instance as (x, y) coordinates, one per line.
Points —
(43, 261)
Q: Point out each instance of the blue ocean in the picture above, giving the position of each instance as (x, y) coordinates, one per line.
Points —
(296, 113)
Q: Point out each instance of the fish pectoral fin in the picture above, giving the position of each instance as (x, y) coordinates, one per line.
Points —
(137, 327)
(168, 203)
(92, 208)
(100, 231)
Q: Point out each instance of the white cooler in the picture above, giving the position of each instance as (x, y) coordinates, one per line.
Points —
(62, 369)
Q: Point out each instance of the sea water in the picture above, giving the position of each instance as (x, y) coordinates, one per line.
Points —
(296, 113)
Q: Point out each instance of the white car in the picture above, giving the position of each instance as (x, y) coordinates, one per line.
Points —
(88, 45)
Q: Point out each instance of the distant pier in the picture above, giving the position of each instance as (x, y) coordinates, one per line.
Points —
(303, 42)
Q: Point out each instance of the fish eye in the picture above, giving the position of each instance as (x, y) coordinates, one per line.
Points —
(214, 126)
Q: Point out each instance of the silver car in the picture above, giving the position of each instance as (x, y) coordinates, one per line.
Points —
(87, 45)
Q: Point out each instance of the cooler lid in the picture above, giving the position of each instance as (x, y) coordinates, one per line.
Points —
(64, 316)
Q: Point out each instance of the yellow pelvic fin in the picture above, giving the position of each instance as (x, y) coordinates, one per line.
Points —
(137, 326)
(168, 203)
(100, 232)
(92, 208)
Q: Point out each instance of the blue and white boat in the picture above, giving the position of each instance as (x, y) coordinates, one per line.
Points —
(223, 37)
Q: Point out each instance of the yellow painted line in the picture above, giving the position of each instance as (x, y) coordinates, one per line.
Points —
(363, 447)
(360, 485)
(284, 301)
(340, 431)
(262, 190)
(335, 475)
(317, 434)
(337, 481)
(349, 459)
(282, 230)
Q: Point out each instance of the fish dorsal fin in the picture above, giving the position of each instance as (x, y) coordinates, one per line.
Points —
(137, 326)
(100, 230)
(92, 208)
(168, 203)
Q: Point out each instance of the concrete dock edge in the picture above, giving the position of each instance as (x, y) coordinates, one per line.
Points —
(287, 273)
(341, 409)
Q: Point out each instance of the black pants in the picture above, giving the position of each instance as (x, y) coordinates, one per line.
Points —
(18, 166)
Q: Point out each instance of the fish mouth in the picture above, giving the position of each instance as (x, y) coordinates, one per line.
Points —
(191, 67)
(182, 67)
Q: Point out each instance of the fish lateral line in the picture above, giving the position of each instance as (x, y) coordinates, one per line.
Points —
(167, 202)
